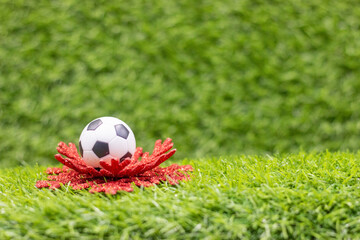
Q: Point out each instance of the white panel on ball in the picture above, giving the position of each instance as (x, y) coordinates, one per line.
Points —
(88, 139)
(131, 143)
(91, 159)
(118, 147)
(105, 132)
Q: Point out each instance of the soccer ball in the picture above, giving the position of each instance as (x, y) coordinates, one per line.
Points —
(104, 139)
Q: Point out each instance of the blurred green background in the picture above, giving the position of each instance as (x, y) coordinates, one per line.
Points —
(219, 77)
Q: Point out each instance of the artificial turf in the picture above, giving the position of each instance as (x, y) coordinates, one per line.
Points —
(302, 196)
(220, 77)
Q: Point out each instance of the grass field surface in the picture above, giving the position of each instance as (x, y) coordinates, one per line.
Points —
(219, 77)
(302, 196)
(274, 85)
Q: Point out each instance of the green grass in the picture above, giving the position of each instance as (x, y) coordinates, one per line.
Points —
(220, 77)
(303, 196)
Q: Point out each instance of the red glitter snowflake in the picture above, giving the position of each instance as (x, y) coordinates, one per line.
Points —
(118, 175)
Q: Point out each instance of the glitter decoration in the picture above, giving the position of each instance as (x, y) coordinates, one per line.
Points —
(142, 169)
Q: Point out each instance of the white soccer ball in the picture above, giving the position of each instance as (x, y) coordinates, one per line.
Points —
(106, 138)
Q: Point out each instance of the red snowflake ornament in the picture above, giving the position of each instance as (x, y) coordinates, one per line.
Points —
(116, 175)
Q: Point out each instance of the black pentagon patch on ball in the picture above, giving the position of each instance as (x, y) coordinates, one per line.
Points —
(121, 131)
(101, 149)
(81, 149)
(127, 155)
(94, 125)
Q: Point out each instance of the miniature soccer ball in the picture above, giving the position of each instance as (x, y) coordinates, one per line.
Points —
(104, 139)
